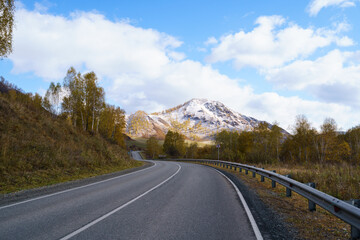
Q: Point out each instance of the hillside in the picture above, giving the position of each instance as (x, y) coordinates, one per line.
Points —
(38, 148)
(197, 119)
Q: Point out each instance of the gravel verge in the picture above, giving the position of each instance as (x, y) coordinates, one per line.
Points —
(270, 223)
(23, 195)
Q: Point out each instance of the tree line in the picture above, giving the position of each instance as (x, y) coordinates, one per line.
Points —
(270, 144)
(81, 101)
(174, 146)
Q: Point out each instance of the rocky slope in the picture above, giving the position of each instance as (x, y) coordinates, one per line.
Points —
(197, 119)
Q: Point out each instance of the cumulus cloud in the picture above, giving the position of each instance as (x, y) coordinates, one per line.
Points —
(142, 68)
(315, 6)
(287, 108)
(188, 79)
(332, 78)
(47, 45)
(211, 41)
(271, 44)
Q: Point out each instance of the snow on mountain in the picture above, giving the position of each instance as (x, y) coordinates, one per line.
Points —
(197, 119)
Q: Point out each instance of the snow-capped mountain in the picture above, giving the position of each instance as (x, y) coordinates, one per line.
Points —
(196, 119)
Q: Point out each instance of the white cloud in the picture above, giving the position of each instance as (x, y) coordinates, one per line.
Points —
(331, 78)
(270, 45)
(189, 79)
(211, 41)
(177, 56)
(315, 6)
(344, 42)
(285, 109)
(47, 45)
(144, 70)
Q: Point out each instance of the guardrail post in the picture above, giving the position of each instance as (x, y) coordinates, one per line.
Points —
(230, 167)
(288, 190)
(273, 183)
(240, 170)
(254, 174)
(246, 171)
(312, 205)
(262, 178)
(355, 232)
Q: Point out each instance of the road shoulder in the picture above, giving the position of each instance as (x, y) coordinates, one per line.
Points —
(270, 223)
(23, 195)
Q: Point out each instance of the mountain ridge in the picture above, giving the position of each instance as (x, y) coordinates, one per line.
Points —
(197, 119)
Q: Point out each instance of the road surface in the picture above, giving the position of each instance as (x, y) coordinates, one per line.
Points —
(167, 200)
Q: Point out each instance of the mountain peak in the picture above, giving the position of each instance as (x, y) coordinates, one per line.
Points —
(197, 100)
(202, 101)
(197, 118)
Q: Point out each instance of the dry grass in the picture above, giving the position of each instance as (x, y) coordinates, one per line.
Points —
(310, 225)
(339, 180)
(39, 149)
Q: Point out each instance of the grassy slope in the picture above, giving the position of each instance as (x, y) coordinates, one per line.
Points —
(37, 149)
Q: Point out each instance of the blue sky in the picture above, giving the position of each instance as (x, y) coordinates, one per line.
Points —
(267, 59)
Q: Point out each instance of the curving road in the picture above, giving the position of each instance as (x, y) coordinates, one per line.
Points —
(167, 200)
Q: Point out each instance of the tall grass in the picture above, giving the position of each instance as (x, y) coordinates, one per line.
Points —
(339, 180)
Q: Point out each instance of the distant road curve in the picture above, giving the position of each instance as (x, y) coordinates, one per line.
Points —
(165, 201)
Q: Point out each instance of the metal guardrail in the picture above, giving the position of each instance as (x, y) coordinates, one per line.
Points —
(341, 209)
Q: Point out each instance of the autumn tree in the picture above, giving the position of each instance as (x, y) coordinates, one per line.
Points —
(174, 144)
(106, 124)
(352, 137)
(152, 147)
(327, 140)
(52, 98)
(7, 9)
(246, 142)
(119, 125)
(73, 103)
(275, 137)
(228, 141)
(332, 147)
(111, 124)
(94, 98)
(303, 138)
(85, 106)
(192, 150)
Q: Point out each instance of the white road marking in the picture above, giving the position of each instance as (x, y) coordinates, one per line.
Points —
(76, 188)
(118, 209)
(246, 207)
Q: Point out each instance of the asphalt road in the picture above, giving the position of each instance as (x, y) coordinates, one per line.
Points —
(167, 200)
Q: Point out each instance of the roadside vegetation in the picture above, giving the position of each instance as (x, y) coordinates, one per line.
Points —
(43, 142)
(329, 158)
(294, 211)
(174, 146)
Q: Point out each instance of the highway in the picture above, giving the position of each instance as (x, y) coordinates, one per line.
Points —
(168, 200)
